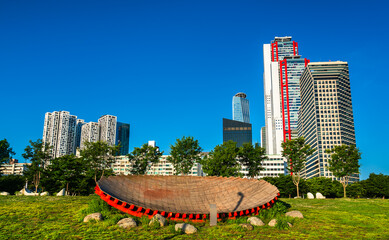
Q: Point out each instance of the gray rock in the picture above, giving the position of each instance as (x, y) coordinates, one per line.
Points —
(273, 223)
(45, 194)
(255, 221)
(310, 196)
(158, 218)
(4, 193)
(93, 216)
(127, 223)
(185, 227)
(295, 214)
(247, 226)
(319, 196)
(61, 193)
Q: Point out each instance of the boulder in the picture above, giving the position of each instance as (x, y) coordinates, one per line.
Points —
(93, 216)
(4, 194)
(273, 223)
(319, 196)
(45, 194)
(27, 192)
(247, 226)
(295, 214)
(61, 193)
(310, 196)
(158, 218)
(127, 223)
(185, 227)
(255, 221)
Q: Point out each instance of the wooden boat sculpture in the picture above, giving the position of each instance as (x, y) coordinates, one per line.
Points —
(186, 197)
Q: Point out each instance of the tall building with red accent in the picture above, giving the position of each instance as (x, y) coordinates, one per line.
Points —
(283, 67)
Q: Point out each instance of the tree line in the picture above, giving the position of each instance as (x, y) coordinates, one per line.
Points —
(78, 175)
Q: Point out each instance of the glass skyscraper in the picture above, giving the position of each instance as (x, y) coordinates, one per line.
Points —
(123, 137)
(240, 108)
(239, 132)
(326, 114)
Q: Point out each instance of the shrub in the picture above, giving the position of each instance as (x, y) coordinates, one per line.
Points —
(12, 183)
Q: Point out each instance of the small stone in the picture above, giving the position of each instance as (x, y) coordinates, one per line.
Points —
(127, 223)
(158, 218)
(310, 196)
(273, 223)
(94, 216)
(61, 193)
(247, 226)
(290, 225)
(295, 214)
(255, 221)
(319, 196)
(185, 227)
(4, 194)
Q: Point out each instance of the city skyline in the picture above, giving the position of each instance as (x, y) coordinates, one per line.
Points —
(170, 69)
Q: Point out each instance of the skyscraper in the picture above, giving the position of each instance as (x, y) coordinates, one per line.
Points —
(123, 137)
(59, 132)
(77, 141)
(108, 129)
(282, 70)
(326, 115)
(240, 108)
(239, 132)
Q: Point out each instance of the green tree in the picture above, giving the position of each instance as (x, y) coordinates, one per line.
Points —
(65, 172)
(344, 162)
(184, 153)
(140, 158)
(99, 156)
(296, 153)
(6, 152)
(222, 161)
(12, 183)
(39, 156)
(377, 185)
(251, 157)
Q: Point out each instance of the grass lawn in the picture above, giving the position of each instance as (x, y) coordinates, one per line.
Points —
(25, 217)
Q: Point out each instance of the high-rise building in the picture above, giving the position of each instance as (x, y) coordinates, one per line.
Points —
(282, 70)
(240, 108)
(108, 129)
(239, 132)
(263, 137)
(59, 132)
(123, 137)
(326, 115)
(90, 133)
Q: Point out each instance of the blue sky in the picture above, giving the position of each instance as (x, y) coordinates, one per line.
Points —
(171, 68)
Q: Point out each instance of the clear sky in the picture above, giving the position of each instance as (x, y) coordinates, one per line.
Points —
(171, 68)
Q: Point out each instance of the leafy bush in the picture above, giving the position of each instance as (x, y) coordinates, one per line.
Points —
(12, 183)
(326, 186)
(278, 209)
(282, 223)
(285, 185)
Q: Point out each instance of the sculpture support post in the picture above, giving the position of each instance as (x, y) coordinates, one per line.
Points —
(212, 215)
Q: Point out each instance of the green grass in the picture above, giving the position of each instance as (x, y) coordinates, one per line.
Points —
(24, 217)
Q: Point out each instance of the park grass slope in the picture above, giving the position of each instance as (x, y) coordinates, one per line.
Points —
(24, 217)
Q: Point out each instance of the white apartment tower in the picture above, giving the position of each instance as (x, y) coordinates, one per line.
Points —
(108, 129)
(90, 132)
(59, 132)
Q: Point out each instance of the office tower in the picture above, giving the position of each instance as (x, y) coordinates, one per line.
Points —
(59, 132)
(108, 129)
(239, 132)
(77, 141)
(240, 108)
(123, 137)
(90, 132)
(282, 70)
(326, 115)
